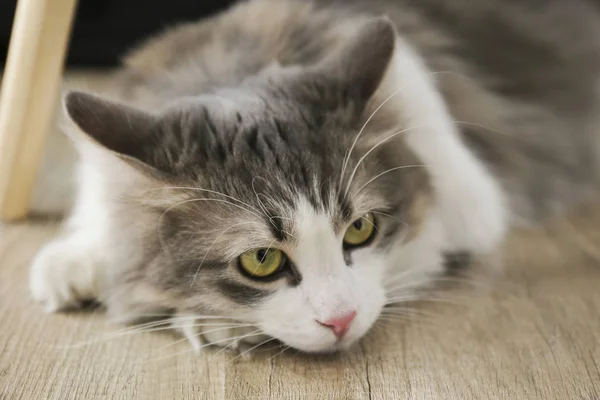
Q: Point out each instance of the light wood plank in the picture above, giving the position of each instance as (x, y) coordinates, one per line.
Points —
(28, 99)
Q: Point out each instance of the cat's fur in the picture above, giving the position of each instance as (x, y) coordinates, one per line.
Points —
(278, 123)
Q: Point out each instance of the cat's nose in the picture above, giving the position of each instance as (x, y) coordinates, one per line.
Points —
(339, 325)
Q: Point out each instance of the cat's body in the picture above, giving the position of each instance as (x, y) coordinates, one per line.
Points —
(279, 123)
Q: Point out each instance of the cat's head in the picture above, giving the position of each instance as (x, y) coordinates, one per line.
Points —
(278, 206)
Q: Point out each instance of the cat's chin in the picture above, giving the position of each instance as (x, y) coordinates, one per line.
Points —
(321, 348)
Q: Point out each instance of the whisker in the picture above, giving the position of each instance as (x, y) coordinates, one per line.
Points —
(385, 172)
(192, 336)
(234, 343)
(485, 127)
(442, 279)
(448, 300)
(213, 243)
(260, 203)
(390, 216)
(164, 326)
(160, 219)
(360, 160)
(252, 348)
(285, 348)
(201, 347)
(374, 226)
(268, 248)
(411, 319)
(349, 152)
(203, 190)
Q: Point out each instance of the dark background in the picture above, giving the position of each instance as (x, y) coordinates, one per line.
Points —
(105, 29)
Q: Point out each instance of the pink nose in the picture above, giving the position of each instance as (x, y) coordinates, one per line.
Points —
(339, 325)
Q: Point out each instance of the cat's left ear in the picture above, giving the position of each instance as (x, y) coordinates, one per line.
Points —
(362, 62)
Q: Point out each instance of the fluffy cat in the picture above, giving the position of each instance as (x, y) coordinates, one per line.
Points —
(285, 169)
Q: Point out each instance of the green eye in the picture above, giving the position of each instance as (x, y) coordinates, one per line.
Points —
(360, 232)
(260, 263)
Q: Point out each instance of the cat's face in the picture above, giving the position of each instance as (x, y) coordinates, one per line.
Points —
(274, 210)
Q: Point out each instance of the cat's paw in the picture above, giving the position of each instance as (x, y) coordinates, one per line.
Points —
(222, 333)
(64, 275)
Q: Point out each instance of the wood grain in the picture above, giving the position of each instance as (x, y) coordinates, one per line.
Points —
(528, 331)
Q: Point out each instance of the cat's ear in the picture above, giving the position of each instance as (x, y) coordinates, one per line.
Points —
(362, 62)
(124, 130)
(117, 127)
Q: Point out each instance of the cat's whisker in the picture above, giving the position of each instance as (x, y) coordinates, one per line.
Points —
(374, 226)
(385, 172)
(349, 152)
(169, 319)
(410, 315)
(268, 248)
(449, 298)
(192, 337)
(405, 275)
(190, 326)
(240, 337)
(236, 342)
(281, 217)
(285, 219)
(260, 203)
(432, 280)
(390, 216)
(284, 349)
(409, 285)
(172, 325)
(160, 219)
(244, 353)
(421, 271)
(203, 190)
(412, 319)
(373, 148)
(410, 307)
(213, 243)
(164, 326)
(172, 317)
(457, 301)
(487, 128)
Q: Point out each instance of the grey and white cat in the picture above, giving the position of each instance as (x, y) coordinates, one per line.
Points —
(287, 168)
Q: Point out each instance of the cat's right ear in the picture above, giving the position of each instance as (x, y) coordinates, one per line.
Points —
(126, 131)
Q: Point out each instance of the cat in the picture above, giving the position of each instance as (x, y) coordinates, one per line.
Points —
(286, 169)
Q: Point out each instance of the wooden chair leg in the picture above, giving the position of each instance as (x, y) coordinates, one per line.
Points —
(30, 88)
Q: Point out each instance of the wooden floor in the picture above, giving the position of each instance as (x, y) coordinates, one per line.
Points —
(530, 331)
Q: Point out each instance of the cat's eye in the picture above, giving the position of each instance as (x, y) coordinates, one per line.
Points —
(261, 263)
(360, 232)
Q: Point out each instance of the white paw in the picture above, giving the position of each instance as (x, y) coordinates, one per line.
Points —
(220, 333)
(63, 275)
